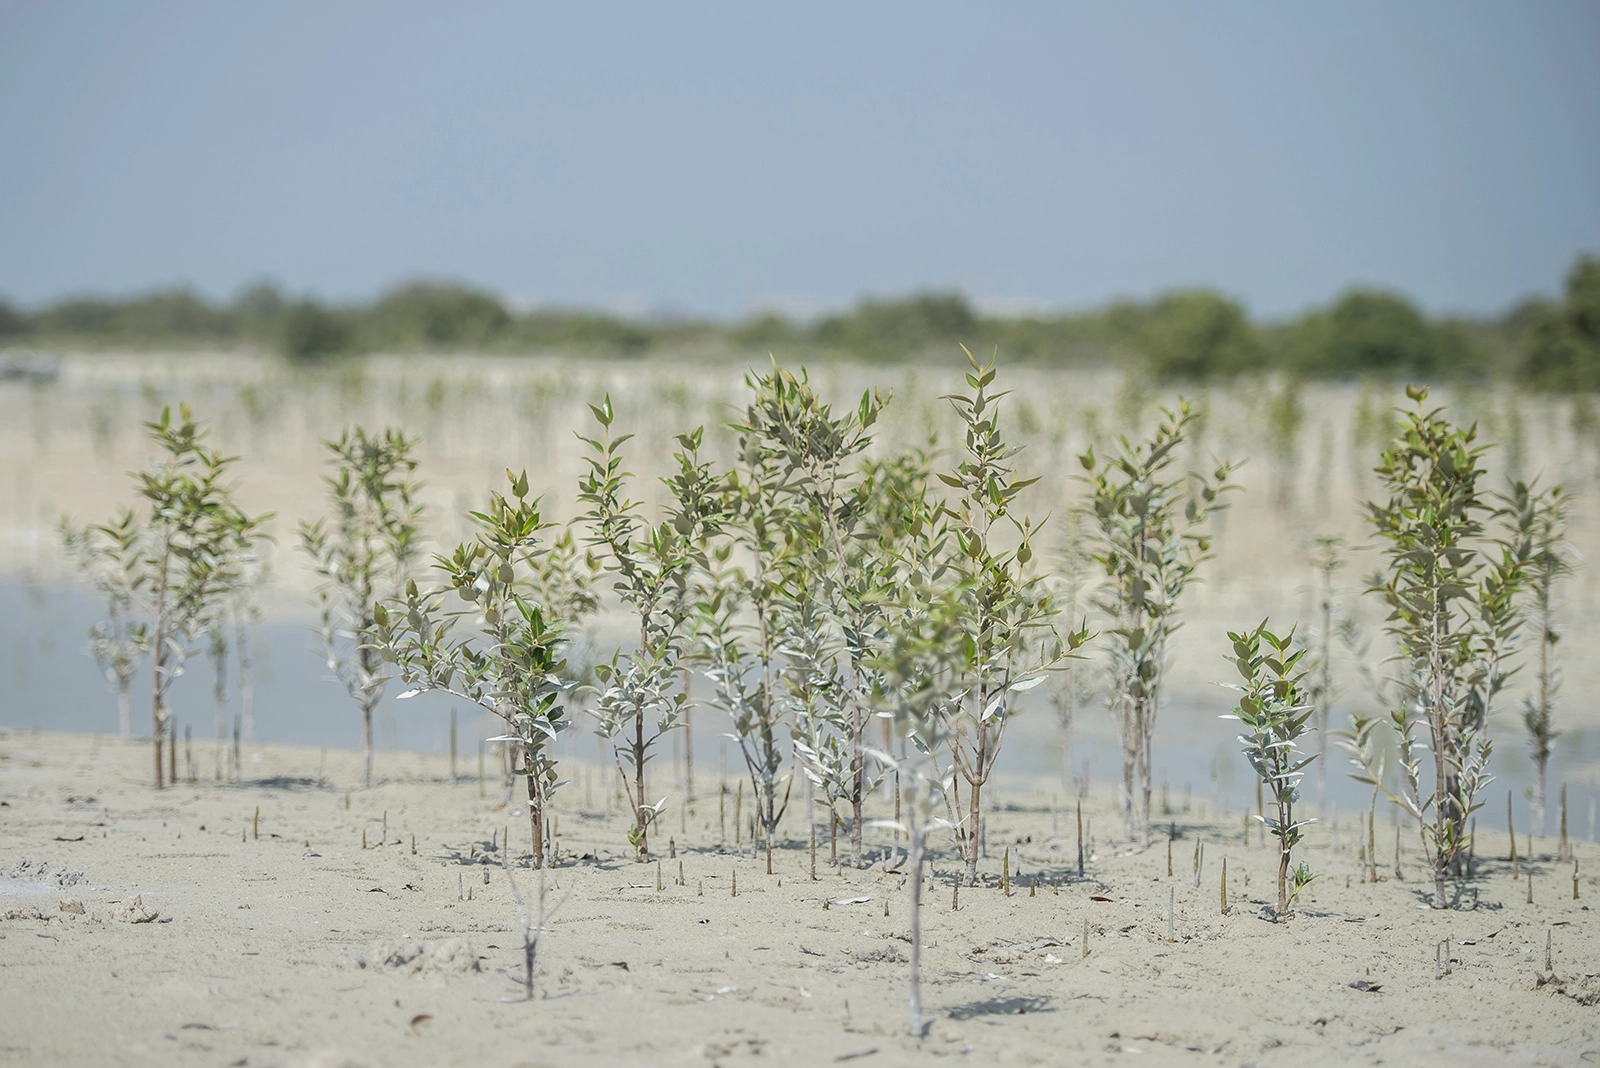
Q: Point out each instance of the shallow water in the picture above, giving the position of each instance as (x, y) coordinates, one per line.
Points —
(50, 683)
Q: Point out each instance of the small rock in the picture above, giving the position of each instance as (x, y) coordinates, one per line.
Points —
(72, 905)
(133, 912)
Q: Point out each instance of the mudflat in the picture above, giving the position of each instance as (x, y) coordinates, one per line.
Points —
(181, 927)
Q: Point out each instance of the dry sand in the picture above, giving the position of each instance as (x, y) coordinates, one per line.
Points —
(299, 947)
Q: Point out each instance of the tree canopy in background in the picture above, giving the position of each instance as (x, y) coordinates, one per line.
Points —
(1185, 334)
(1563, 350)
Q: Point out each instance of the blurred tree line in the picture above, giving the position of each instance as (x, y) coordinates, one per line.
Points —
(1548, 344)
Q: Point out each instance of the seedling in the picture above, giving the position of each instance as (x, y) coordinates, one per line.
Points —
(1147, 530)
(170, 568)
(1276, 714)
(737, 620)
(1327, 559)
(641, 696)
(1007, 608)
(108, 557)
(364, 553)
(532, 926)
(502, 653)
(1543, 516)
(1452, 597)
(928, 659)
(811, 524)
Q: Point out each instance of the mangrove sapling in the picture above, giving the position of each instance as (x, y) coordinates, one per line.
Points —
(364, 553)
(820, 732)
(641, 696)
(925, 663)
(1550, 564)
(1327, 559)
(108, 557)
(504, 657)
(217, 652)
(895, 490)
(1275, 710)
(895, 494)
(1146, 524)
(835, 568)
(1361, 741)
(188, 552)
(1007, 606)
(1074, 597)
(1453, 613)
(242, 607)
(737, 621)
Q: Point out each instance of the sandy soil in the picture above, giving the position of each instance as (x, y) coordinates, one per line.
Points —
(299, 947)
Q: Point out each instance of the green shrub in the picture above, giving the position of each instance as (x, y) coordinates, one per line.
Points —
(1365, 331)
(893, 329)
(435, 315)
(311, 331)
(12, 322)
(1563, 347)
(1195, 333)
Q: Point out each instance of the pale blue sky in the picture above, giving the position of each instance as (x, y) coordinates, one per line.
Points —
(721, 158)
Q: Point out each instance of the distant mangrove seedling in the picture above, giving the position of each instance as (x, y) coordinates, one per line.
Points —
(167, 568)
(1146, 527)
(1550, 564)
(364, 552)
(107, 557)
